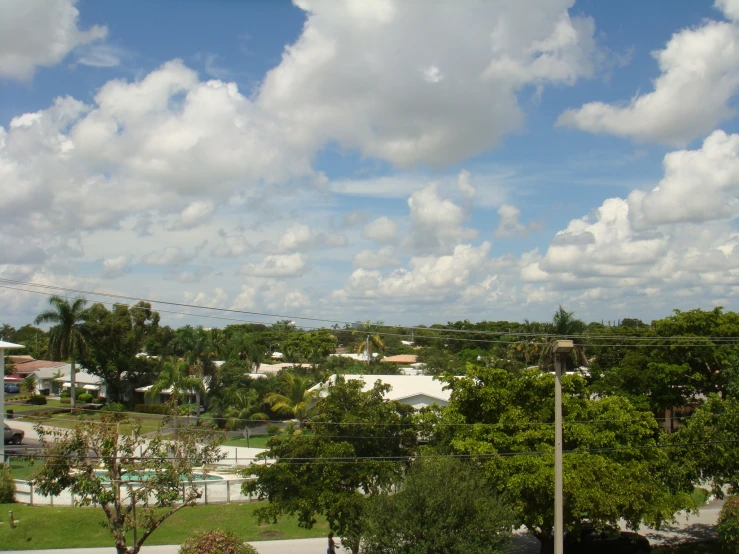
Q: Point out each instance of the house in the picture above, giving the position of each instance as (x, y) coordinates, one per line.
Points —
(405, 359)
(418, 391)
(83, 380)
(46, 375)
(27, 367)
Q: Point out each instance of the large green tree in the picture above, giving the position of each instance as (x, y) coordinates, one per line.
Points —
(297, 401)
(441, 505)
(113, 338)
(358, 448)
(504, 420)
(66, 337)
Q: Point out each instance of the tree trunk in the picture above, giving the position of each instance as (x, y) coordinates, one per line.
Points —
(72, 383)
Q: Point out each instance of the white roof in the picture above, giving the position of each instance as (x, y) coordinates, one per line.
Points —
(403, 386)
(274, 368)
(51, 372)
(5, 344)
(81, 378)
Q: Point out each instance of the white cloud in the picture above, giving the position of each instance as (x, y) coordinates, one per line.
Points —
(115, 267)
(233, 245)
(350, 75)
(369, 259)
(509, 224)
(100, 55)
(699, 185)
(301, 237)
(382, 230)
(465, 185)
(218, 299)
(730, 8)
(437, 222)
(170, 255)
(278, 265)
(699, 78)
(195, 214)
(432, 278)
(39, 33)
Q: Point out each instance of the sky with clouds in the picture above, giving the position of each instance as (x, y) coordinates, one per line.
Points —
(372, 159)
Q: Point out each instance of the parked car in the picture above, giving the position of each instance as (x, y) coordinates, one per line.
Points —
(608, 541)
(12, 388)
(13, 436)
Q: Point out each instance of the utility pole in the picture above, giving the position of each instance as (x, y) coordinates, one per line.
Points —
(560, 350)
(366, 350)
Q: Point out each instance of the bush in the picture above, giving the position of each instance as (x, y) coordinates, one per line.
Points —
(273, 430)
(84, 398)
(113, 407)
(65, 400)
(37, 400)
(99, 400)
(7, 486)
(65, 394)
(216, 542)
(728, 524)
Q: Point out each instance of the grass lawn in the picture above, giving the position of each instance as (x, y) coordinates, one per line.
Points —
(149, 422)
(20, 408)
(22, 469)
(258, 441)
(45, 527)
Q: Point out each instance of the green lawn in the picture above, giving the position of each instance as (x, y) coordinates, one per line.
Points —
(149, 422)
(21, 408)
(45, 527)
(22, 469)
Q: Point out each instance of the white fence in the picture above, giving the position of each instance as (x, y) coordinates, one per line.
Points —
(223, 491)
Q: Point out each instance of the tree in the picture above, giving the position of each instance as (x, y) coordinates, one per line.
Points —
(297, 402)
(505, 418)
(199, 355)
(565, 324)
(344, 463)
(243, 347)
(244, 408)
(66, 338)
(176, 377)
(371, 343)
(114, 338)
(28, 385)
(99, 466)
(443, 505)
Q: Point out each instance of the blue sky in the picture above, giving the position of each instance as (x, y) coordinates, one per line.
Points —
(355, 160)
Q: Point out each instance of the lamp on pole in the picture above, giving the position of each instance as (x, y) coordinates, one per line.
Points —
(560, 350)
(3, 346)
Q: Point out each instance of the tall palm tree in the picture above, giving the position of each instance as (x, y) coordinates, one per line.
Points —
(176, 375)
(66, 337)
(242, 347)
(565, 325)
(298, 402)
(369, 344)
(199, 356)
(243, 407)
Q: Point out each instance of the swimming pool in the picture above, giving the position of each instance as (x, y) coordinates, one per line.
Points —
(144, 475)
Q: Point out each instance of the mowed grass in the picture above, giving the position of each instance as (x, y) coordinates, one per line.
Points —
(21, 408)
(23, 468)
(149, 422)
(41, 527)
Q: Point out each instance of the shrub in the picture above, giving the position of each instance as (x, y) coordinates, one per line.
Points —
(216, 542)
(273, 429)
(65, 400)
(65, 394)
(37, 400)
(85, 397)
(7, 486)
(99, 400)
(728, 524)
(113, 407)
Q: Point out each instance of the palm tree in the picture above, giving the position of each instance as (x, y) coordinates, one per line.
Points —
(565, 325)
(199, 356)
(371, 343)
(243, 408)
(66, 338)
(244, 348)
(176, 375)
(299, 401)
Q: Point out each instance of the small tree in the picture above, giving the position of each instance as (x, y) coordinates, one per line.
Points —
(96, 463)
(7, 485)
(443, 505)
(216, 542)
(28, 385)
(728, 525)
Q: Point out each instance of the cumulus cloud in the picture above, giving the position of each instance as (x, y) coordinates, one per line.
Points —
(693, 94)
(39, 33)
(115, 267)
(509, 224)
(300, 238)
(465, 185)
(430, 277)
(329, 85)
(170, 255)
(437, 222)
(195, 214)
(277, 265)
(369, 259)
(730, 8)
(383, 229)
(232, 245)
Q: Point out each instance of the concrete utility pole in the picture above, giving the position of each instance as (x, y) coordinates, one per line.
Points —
(560, 350)
(3, 346)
